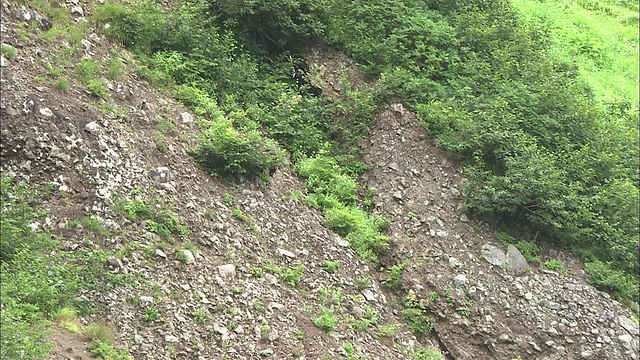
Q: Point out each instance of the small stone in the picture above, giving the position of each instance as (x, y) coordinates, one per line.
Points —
(493, 255)
(552, 331)
(441, 233)
(628, 325)
(145, 300)
(171, 339)
(273, 335)
(503, 338)
(221, 330)
(162, 174)
(28, 106)
(397, 195)
(185, 117)
(46, 112)
(517, 263)
(454, 263)
(341, 242)
(625, 341)
(114, 262)
(274, 305)
(369, 295)
(23, 14)
(86, 43)
(393, 166)
(270, 279)
(92, 127)
(535, 346)
(460, 280)
(464, 218)
(586, 354)
(528, 296)
(77, 10)
(287, 253)
(227, 270)
(187, 256)
(552, 305)
(161, 254)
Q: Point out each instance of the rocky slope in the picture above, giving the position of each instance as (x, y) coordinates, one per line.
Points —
(229, 289)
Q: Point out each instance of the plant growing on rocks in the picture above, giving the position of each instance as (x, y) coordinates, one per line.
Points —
(394, 276)
(327, 321)
(331, 267)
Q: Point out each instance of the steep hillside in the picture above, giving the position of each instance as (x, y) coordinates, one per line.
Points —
(178, 264)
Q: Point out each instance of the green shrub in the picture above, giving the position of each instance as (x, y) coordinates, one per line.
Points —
(428, 354)
(327, 321)
(97, 88)
(8, 51)
(555, 265)
(529, 250)
(413, 313)
(292, 274)
(417, 321)
(394, 276)
(223, 150)
(331, 267)
(604, 277)
(274, 24)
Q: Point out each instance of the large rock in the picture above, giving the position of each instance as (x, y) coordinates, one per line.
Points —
(516, 262)
(493, 255)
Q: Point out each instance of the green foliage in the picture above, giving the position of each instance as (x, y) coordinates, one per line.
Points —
(331, 267)
(394, 276)
(224, 150)
(88, 70)
(428, 354)
(331, 297)
(200, 315)
(257, 272)
(273, 24)
(292, 274)
(327, 321)
(34, 286)
(162, 222)
(529, 250)
(538, 149)
(105, 351)
(151, 314)
(604, 276)
(116, 68)
(335, 194)
(555, 265)
(389, 330)
(8, 51)
(413, 313)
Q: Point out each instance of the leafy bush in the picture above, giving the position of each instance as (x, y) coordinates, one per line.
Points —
(225, 151)
(394, 276)
(555, 265)
(327, 321)
(529, 250)
(276, 24)
(414, 314)
(603, 276)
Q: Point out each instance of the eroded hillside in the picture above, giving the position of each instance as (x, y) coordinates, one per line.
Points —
(209, 269)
